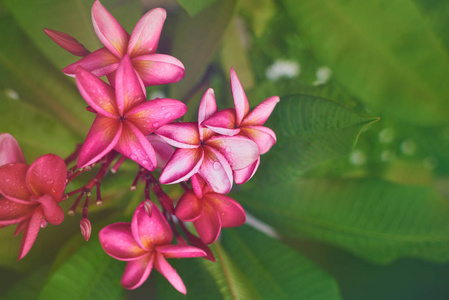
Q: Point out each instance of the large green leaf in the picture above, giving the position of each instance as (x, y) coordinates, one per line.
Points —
(88, 274)
(277, 271)
(375, 219)
(195, 6)
(71, 17)
(32, 79)
(231, 281)
(309, 131)
(196, 42)
(28, 287)
(383, 52)
(36, 132)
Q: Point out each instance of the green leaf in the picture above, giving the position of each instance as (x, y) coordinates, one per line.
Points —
(36, 132)
(71, 17)
(196, 42)
(231, 281)
(29, 76)
(309, 131)
(194, 7)
(375, 219)
(200, 285)
(88, 274)
(383, 52)
(27, 287)
(277, 271)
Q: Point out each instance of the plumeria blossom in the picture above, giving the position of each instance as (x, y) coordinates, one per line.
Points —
(202, 151)
(153, 68)
(31, 194)
(123, 116)
(240, 121)
(145, 243)
(208, 210)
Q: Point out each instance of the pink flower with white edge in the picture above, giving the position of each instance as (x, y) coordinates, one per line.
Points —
(145, 243)
(208, 210)
(202, 151)
(240, 121)
(30, 193)
(123, 116)
(10, 151)
(153, 68)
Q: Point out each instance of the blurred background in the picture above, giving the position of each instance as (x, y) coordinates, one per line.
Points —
(356, 188)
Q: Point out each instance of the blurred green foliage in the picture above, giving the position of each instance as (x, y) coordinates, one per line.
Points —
(360, 208)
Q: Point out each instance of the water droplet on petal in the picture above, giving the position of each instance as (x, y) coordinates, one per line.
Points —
(156, 124)
(167, 115)
(144, 162)
(216, 166)
(228, 149)
(133, 157)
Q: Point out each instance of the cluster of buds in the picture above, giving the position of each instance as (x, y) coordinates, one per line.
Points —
(209, 155)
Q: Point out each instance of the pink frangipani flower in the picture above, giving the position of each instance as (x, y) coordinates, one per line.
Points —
(31, 196)
(144, 243)
(123, 116)
(202, 151)
(240, 121)
(208, 210)
(153, 68)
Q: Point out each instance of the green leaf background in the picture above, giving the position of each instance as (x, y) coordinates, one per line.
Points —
(356, 188)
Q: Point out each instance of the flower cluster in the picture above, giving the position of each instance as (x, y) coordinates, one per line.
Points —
(209, 155)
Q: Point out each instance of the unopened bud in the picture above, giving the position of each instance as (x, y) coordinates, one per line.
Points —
(148, 206)
(86, 228)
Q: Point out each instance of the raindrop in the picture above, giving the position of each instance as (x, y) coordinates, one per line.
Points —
(12, 94)
(216, 166)
(228, 149)
(133, 157)
(156, 124)
(145, 162)
(167, 115)
(408, 147)
(358, 158)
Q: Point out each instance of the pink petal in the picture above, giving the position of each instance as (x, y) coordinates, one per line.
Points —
(163, 150)
(98, 94)
(261, 112)
(180, 251)
(30, 232)
(172, 276)
(117, 241)
(216, 171)
(12, 212)
(100, 63)
(137, 271)
(197, 242)
(21, 226)
(189, 207)
(264, 137)
(198, 184)
(108, 30)
(208, 225)
(182, 165)
(156, 69)
(230, 211)
(129, 90)
(145, 36)
(102, 138)
(243, 175)
(223, 122)
(208, 107)
(150, 231)
(181, 135)
(153, 114)
(240, 100)
(67, 42)
(12, 182)
(47, 176)
(53, 213)
(239, 151)
(134, 145)
(10, 151)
